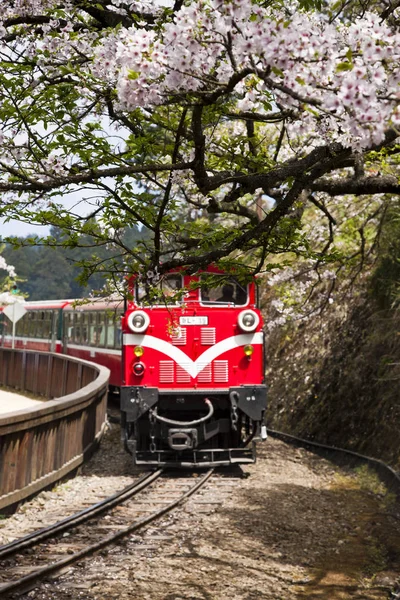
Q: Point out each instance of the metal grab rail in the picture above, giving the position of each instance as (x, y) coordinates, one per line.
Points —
(185, 423)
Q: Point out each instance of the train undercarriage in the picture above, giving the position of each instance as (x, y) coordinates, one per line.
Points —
(192, 428)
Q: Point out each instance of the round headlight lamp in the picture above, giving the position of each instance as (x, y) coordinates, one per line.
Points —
(138, 321)
(248, 320)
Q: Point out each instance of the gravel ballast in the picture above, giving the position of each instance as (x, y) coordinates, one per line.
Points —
(293, 527)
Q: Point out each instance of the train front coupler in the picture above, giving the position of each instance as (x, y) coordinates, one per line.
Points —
(183, 435)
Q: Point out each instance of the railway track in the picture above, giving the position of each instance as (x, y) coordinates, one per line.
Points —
(57, 563)
(28, 560)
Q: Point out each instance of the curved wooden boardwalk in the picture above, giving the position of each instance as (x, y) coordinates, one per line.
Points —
(44, 442)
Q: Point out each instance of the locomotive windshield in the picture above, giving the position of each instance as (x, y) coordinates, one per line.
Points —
(169, 285)
(217, 289)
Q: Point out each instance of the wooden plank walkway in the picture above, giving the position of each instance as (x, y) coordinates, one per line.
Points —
(10, 402)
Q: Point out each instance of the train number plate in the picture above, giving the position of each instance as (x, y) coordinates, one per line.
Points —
(193, 320)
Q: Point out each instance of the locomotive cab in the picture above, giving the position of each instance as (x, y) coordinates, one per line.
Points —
(193, 391)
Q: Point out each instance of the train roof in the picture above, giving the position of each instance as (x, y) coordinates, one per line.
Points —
(72, 304)
(96, 304)
(40, 304)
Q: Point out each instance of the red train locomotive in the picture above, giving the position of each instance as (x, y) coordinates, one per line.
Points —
(193, 389)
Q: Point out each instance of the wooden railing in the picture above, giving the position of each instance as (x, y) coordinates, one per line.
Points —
(40, 445)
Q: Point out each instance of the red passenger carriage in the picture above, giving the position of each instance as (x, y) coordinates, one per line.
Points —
(91, 331)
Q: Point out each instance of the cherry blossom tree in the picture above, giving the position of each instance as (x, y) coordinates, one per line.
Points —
(7, 280)
(231, 131)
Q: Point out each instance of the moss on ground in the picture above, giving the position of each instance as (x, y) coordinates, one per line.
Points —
(353, 564)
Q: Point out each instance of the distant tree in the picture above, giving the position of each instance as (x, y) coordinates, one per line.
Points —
(215, 126)
(52, 277)
(24, 259)
(50, 272)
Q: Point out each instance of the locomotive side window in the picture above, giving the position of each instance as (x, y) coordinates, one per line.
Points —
(220, 290)
(112, 327)
(84, 319)
(24, 325)
(39, 323)
(41, 332)
(93, 330)
(78, 328)
(47, 323)
(32, 324)
(19, 326)
(70, 327)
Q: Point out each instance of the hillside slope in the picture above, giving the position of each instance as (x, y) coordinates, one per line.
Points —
(335, 379)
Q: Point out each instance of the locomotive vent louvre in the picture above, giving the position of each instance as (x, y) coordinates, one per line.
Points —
(205, 375)
(166, 371)
(207, 336)
(182, 376)
(178, 338)
(220, 371)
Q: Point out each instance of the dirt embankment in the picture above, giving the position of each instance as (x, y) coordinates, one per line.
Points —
(335, 379)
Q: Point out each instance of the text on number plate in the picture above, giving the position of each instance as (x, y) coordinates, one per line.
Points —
(193, 320)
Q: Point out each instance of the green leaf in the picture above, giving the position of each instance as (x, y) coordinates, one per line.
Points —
(133, 75)
(344, 66)
(277, 71)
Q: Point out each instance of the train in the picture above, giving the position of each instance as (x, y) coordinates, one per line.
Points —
(189, 366)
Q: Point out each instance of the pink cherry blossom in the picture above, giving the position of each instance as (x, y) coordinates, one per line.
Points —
(337, 68)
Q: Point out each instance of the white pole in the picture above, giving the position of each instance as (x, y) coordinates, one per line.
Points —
(13, 327)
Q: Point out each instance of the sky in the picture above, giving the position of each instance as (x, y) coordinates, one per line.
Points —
(81, 202)
(21, 229)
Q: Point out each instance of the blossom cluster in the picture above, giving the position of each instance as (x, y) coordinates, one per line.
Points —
(302, 286)
(22, 8)
(342, 78)
(9, 268)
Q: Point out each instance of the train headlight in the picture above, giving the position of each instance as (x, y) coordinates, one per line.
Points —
(138, 369)
(138, 321)
(248, 350)
(138, 351)
(248, 320)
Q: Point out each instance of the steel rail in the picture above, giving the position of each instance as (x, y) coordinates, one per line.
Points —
(386, 474)
(384, 471)
(84, 515)
(27, 580)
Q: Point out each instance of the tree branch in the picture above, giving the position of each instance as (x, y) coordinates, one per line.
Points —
(375, 184)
